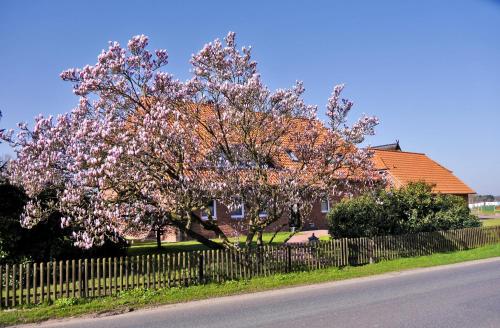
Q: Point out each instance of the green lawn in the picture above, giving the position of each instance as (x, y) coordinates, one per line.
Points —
(491, 222)
(485, 210)
(149, 247)
(134, 299)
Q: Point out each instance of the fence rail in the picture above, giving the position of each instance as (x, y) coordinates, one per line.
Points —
(32, 283)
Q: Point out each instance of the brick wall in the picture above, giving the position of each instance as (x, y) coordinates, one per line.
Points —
(230, 226)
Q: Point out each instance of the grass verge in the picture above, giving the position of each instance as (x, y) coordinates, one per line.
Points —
(491, 222)
(149, 247)
(138, 298)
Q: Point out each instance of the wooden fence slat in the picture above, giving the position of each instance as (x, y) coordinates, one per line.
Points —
(54, 280)
(42, 293)
(127, 286)
(141, 272)
(61, 278)
(121, 273)
(14, 289)
(189, 269)
(110, 276)
(28, 279)
(67, 279)
(73, 279)
(92, 278)
(47, 276)
(132, 272)
(169, 284)
(80, 278)
(21, 289)
(35, 282)
(163, 271)
(153, 271)
(86, 278)
(7, 285)
(104, 277)
(115, 274)
(98, 276)
(177, 269)
(148, 271)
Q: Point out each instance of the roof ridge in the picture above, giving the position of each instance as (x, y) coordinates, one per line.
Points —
(397, 151)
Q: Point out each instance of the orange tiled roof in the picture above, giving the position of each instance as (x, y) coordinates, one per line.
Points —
(404, 167)
(206, 114)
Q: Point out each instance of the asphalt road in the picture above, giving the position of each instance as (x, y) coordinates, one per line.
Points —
(464, 295)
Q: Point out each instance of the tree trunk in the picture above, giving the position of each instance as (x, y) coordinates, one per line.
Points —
(276, 232)
(198, 237)
(210, 226)
(259, 239)
(248, 241)
(158, 238)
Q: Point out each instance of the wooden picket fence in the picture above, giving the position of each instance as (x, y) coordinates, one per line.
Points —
(32, 283)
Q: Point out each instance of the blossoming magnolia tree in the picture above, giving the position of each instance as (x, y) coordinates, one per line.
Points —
(145, 150)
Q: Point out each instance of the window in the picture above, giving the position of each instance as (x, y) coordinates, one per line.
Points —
(325, 206)
(336, 158)
(211, 209)
(292, 155)
(222, 161)
(263, 214)
(239, 212)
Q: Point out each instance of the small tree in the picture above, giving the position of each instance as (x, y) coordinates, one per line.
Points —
(413, 208)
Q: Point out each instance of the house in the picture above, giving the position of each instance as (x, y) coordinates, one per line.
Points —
(403, 167)
(280, 155)
(400, 166)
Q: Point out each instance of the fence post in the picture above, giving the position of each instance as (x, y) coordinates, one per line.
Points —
(289, 258)
(201, 278)
(370, 250)
(7, 286)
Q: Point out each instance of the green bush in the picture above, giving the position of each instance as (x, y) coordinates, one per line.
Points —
(45, 241)
(411, 209)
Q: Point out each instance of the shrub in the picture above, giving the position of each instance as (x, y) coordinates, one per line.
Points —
(46, 240)
(411, 209)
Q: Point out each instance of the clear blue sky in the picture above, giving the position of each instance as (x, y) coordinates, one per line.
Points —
(430, 70)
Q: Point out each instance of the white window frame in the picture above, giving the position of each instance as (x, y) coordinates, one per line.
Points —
(214, 215)
(327, 205)
(292, 155)
(239, 216)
